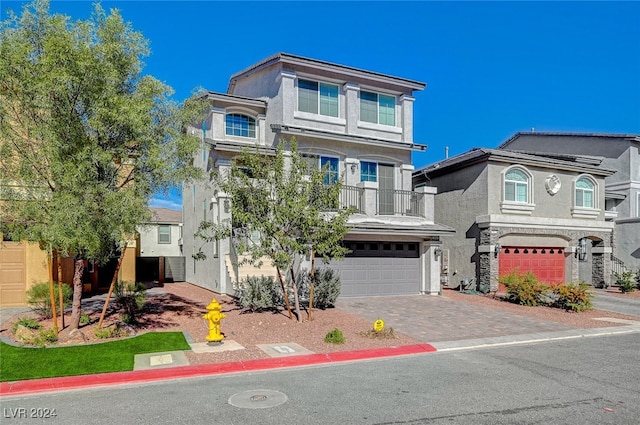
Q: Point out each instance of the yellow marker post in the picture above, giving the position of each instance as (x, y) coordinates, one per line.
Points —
(378, 325)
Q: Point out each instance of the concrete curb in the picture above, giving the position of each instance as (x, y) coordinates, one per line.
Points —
(36, 386)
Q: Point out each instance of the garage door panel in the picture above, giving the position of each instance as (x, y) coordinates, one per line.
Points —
(378, 276)
(547, 264)
(12, 274)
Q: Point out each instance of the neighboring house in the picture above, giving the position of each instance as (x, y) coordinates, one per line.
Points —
(358, 124)
(160, 258)
(513, 210)
(162, 235)
(24, 264)
(619, 152)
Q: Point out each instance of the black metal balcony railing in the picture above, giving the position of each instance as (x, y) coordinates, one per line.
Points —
(388, 202)
(351, 197)
(400, 202)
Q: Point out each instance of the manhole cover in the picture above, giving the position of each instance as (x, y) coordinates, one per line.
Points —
(258, 399)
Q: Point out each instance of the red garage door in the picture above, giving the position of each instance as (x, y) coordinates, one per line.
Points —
(546, 263)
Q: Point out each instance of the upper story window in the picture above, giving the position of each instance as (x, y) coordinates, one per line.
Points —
(368, 171)
(164, 233)
(328, 164)
(377, 108)
(240, 125)
(585, 193)
(516, 186)
(318, 98)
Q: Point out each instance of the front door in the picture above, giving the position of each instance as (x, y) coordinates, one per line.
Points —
(386, 205)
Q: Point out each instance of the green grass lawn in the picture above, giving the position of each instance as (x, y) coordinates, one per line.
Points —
(18, 363)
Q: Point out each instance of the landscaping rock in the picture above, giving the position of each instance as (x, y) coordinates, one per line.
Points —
(24, 334)
(77, 336)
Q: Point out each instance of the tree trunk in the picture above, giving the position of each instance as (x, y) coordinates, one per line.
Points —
(312, 283)
(60, 294)
(284, 293)
(52, 292)
(76, 306)
(296, 298)
(111, 287)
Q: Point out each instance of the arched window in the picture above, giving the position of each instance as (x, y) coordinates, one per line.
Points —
(240, 125)
(585, 193)
(516, 186)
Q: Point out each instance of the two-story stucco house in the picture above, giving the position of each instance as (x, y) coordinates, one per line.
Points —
(619, 152)
(162, 235)
(533, 212)
(356, 123)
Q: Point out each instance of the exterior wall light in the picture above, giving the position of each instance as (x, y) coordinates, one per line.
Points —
(581, 249)
(496, 250)
(437, 252)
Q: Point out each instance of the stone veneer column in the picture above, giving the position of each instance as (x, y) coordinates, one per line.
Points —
(488, 260)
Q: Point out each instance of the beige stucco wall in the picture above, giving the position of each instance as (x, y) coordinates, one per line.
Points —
(128, 267)
(37, 269)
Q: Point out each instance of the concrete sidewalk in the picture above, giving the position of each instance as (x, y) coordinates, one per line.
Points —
(440, 323)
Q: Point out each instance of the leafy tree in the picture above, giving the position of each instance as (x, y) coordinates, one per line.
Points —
(288, 204)
(85, 137)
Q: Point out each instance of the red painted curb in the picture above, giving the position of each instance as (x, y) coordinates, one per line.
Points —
(140, 376)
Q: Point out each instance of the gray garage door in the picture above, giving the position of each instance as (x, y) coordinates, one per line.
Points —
(379, 268)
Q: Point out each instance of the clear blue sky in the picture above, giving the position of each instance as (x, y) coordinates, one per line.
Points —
(491, 68)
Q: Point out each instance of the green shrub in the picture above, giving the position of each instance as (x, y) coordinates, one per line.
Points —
(326, 288)
(48, 336)
(39, 298)
(335, 336)
(626, 282)
(130, 297)
(572, 296)
(85, 319)
(113, 331)
(28, 323)
(524, 288)
(258, 293)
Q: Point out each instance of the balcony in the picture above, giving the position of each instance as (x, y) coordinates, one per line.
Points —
(371, 201)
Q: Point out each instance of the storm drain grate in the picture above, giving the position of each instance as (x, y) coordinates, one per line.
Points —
(258, 399)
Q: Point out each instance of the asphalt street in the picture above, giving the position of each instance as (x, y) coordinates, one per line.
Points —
(580, 381)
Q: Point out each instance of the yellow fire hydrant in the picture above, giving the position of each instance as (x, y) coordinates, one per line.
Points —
(214, 317)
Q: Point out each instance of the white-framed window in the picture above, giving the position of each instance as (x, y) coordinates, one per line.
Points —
(318, 98)
(638, 205)
(585, 193)
(377, 108)
(516, 186)
(328, 164)
(164, 233)
(240, 125)
(368, 171)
